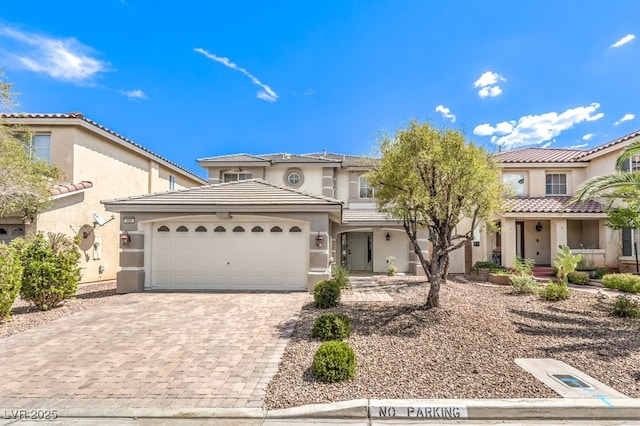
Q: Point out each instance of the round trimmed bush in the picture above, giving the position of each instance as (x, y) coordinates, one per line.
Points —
(555, 291)
(326, 294)
(10, 279)
(578, 277)
(334, 362)
(331, 327)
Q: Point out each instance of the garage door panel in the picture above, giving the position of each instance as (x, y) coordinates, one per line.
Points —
(229, 260)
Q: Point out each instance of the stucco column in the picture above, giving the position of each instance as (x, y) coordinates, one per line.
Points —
(508, 241)
(558, 236)
(609, 240)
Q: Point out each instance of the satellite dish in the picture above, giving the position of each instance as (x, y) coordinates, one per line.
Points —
(99, 220)
(87, 237)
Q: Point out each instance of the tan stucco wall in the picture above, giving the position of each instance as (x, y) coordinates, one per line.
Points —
(115, 172)
(311, 182)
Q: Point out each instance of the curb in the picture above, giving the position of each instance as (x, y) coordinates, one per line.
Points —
(381, 410)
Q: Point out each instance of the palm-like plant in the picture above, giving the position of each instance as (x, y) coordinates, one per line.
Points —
(620, 185)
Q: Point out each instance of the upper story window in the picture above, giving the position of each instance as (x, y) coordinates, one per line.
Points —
(293, 178)
(233, 177)
(556, 184)
(172, 183)
(514, 181)
(632, 165)
(365, 189)
(41, 148)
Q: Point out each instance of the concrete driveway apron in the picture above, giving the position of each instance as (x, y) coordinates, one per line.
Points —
(151, 350)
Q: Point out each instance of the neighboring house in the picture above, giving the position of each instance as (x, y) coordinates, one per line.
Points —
(537, 220)
(266, 222)
(97, 164)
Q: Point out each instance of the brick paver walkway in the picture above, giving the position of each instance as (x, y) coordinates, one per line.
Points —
(152, 350)
(364, 289)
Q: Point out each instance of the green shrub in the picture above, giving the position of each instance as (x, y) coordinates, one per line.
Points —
(10, 279)
(334, 362)
(523, 284)
(331, 327)
(554, 271)
(326, 294)
(578, 277)
(566, 262)
(51, 272)
(491, 266)
(600, 272)
(626, 306)
(555, 291)
(624, 282)
(523, 266)
(341, 275)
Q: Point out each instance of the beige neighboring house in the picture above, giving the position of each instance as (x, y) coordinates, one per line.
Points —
(97, 164)
(265, 222)
(537, 220)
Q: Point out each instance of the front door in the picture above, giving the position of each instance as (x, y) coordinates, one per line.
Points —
(359, 248)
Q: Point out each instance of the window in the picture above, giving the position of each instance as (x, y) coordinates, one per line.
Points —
(556, 184)
(163, 229)
(295, 229)
(632, 165)
(233, 177)
(172, 183)
(366, 190)
(257, 229)
(41, 148)
(182, 228)
(276, 229)
(201, 229)
(219, 229)
(293, 177)
(515, 181)
(238, 229)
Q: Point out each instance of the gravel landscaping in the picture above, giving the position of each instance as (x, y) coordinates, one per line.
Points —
(24, 316)
(465, 349)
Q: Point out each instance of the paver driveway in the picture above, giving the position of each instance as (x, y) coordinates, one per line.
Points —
(179, 350)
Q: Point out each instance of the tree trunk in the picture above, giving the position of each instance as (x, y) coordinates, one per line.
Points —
(437, 269)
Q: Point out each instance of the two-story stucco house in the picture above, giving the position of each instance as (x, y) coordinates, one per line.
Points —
(97, 164)
(537, 219)
(265, 222)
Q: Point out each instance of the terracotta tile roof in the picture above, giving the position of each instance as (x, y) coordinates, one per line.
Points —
(80, 116)
(609, 144)
(539, 155)
(365, 215)
(252, 192)
(69, 187)
(551, 205)
(296, 158)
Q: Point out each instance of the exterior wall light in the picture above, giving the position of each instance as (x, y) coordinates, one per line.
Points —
(538, 227)
(319, 240)
(125, 238)
(387, 237)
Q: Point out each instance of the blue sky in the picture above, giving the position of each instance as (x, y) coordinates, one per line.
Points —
(196, 79)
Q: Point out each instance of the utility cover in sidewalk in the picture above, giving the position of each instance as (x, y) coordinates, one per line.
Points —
(567, 381)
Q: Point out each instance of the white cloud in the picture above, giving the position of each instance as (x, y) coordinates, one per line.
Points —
(624, 40)
(578, 146)
(446, 113)
(134, 94)
(537, 129)
(588, 137)
(310, 92)
(488, 78)
(491, 92)
(266, 94)
(488, 83)
(626, 117)
(63, 59)
(547, 145)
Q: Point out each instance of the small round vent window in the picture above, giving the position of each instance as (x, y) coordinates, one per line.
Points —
(294, 177)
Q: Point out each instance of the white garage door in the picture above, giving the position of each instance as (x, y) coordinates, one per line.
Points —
(229, 256)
